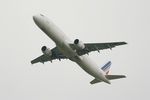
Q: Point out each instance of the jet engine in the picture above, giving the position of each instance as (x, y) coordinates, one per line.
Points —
(79, 44)
(46, 51)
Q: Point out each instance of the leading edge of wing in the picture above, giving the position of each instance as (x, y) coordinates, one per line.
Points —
(104, 45)
(96, 46)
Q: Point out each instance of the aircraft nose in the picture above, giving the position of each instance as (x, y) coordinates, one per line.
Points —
(37, 19)
(34, 18)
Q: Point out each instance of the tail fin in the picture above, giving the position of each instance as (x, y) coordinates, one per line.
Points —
(106, 67)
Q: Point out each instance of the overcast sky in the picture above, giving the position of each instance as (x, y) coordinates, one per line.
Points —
(88, 20)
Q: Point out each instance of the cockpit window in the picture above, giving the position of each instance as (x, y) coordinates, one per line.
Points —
(41, 15)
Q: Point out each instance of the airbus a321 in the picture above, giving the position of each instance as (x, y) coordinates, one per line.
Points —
(76, 51)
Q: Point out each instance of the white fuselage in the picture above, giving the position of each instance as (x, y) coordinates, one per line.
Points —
(62, 42)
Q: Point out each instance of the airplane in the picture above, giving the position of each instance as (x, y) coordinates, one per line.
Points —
(76, 51)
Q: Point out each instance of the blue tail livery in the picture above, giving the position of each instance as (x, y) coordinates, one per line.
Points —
(106, 67)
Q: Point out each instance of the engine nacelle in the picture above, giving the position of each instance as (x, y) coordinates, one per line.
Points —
(79, 44)
(46, 51)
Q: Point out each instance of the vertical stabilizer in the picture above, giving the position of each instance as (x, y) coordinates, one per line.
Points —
(106, 67)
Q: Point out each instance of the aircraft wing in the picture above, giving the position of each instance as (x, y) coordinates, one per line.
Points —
(97, 46)
(56, 54)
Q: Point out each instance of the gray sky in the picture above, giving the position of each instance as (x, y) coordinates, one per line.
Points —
(88, 20)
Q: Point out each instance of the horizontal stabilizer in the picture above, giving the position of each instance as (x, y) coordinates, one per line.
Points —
(109, 77)
(95, 81)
